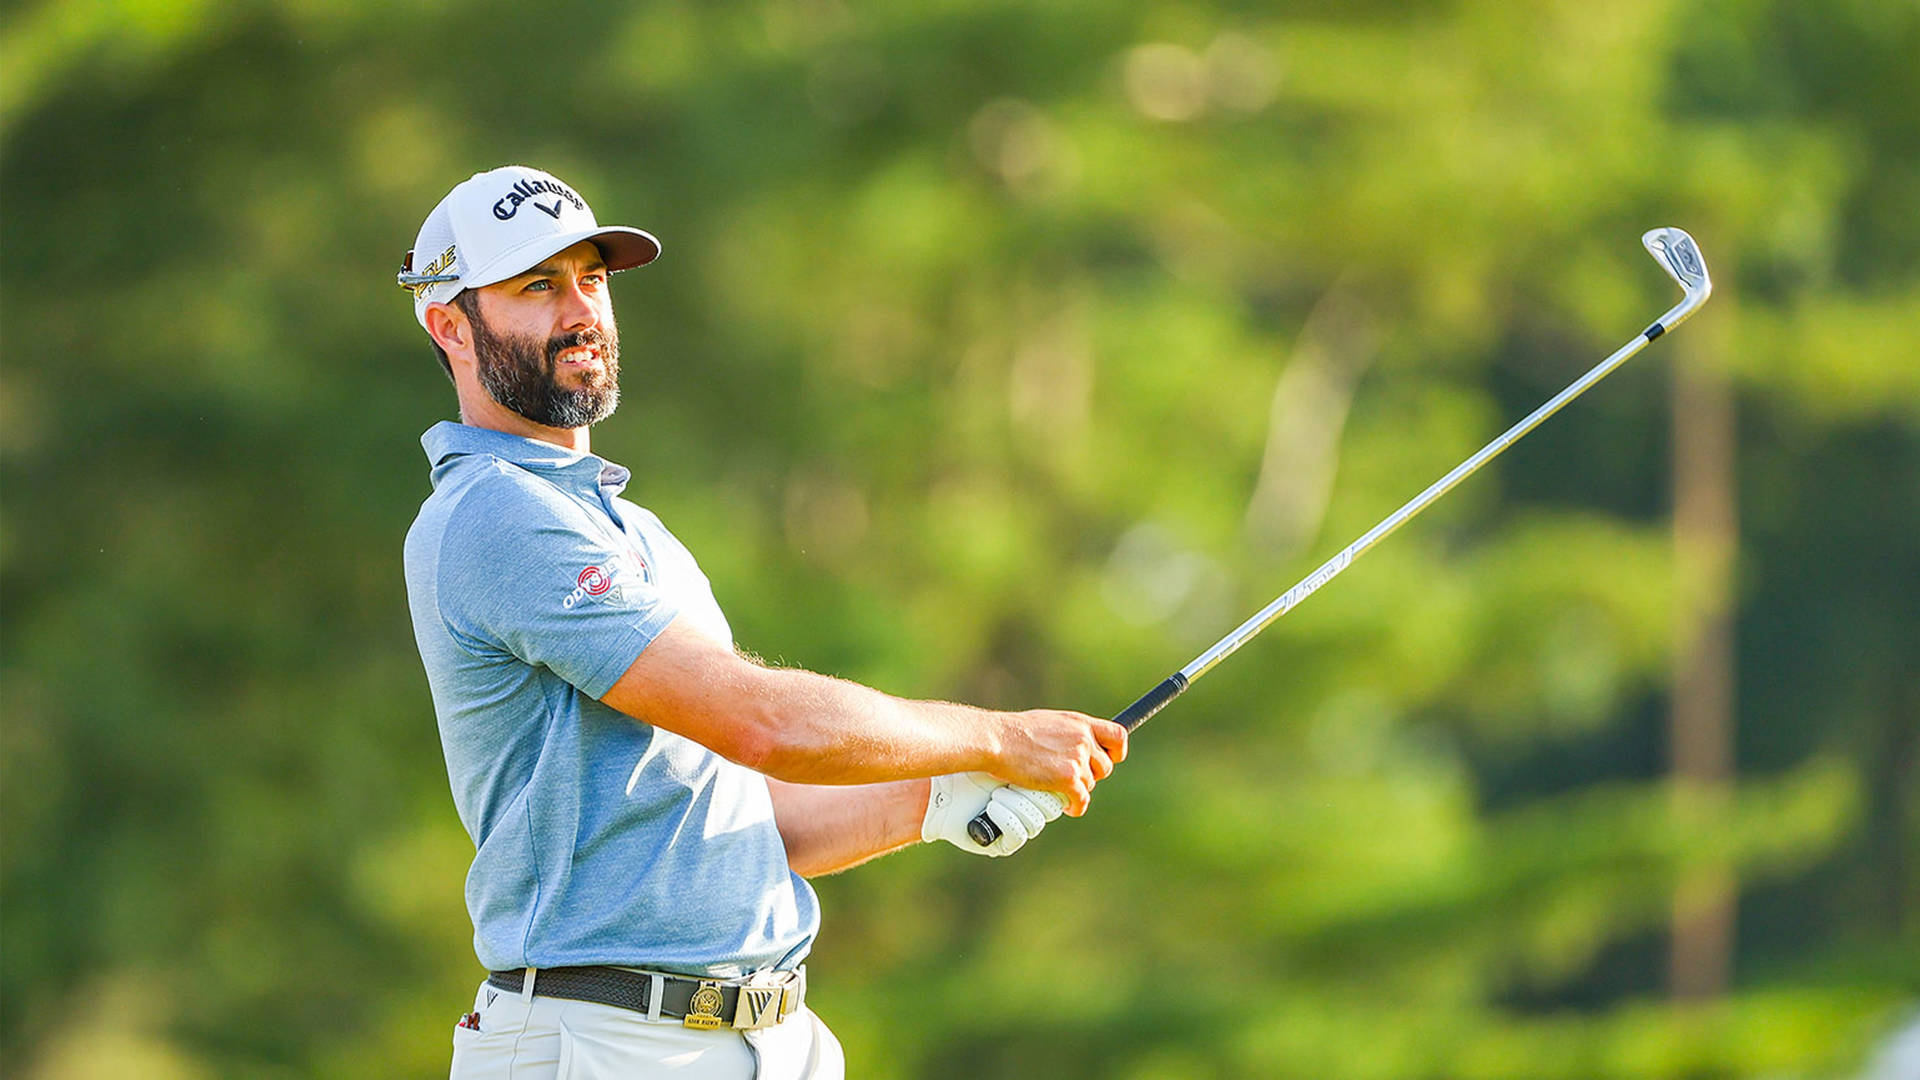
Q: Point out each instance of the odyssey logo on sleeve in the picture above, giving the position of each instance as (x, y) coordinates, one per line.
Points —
(603, 583)
(595, 583)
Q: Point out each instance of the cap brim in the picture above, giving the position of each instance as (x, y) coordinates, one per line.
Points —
(624, 248)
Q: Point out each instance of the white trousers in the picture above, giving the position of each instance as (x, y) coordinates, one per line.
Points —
(555, 1039)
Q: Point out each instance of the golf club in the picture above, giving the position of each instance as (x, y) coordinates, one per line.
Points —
(1671, 247)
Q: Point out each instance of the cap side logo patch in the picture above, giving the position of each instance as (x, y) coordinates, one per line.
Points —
(409, 278)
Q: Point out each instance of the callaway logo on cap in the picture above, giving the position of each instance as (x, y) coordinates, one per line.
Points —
(497, 224)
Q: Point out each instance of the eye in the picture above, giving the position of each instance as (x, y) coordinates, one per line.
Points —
(594, 279)
(540, 285)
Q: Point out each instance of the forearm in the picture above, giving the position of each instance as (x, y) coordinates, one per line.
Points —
(805, 728)
(828, 829)
(823, 730)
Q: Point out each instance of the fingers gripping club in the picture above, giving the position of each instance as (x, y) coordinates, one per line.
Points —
(982, 828)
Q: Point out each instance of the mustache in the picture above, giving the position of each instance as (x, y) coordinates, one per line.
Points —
(596, 337)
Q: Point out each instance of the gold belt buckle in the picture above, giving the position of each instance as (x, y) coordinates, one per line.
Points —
(703, 1011)
(761, 1003)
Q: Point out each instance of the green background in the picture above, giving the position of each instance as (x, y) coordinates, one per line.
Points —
(1006, 352)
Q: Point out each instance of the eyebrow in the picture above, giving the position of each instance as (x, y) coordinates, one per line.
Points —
(555, 270)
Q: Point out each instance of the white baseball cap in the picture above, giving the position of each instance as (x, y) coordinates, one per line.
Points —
(495, 225)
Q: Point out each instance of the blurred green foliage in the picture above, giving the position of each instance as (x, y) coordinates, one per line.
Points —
(1009, 352)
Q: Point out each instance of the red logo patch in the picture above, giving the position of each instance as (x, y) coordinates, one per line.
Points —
(595, 581)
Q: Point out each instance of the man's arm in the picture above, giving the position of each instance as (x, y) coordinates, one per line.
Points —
(805, 728)
(828, 829)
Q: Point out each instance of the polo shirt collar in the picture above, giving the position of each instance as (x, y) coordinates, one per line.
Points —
(446, 442)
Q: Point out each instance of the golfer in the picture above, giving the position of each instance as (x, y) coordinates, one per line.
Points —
(645, 802)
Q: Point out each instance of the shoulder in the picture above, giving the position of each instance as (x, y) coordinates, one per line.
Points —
(490, 505)
(647, 521)
(657, 534)
(489, 481)
(642, 516)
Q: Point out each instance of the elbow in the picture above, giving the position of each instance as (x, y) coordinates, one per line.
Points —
(753, 746)
(779, 750)
(769, 755)
(762, 743)
(768, 731)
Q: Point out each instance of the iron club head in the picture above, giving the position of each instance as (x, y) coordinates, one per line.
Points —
(1680, 256)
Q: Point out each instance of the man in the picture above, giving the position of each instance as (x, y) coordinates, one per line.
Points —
(645, 802)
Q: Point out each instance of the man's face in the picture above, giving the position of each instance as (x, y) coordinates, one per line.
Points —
(544, 342)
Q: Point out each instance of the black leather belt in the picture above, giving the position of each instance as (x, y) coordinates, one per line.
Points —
(756, 1002)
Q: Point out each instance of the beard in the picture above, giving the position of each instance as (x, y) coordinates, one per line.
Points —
(521, 374)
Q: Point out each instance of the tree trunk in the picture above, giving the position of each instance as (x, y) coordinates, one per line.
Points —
(1706, 540)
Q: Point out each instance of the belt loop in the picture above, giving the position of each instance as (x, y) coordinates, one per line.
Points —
(526, 986)
(656, 989)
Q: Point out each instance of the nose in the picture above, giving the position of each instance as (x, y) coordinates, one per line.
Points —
(578, 312)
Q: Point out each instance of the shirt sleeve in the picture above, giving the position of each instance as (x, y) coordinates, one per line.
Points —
(534, 576)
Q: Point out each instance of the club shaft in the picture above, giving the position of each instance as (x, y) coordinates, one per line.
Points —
(1331, 569)
(984, 831)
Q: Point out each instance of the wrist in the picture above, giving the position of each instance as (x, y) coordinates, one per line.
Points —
(996, 731)
(917, 806)
(943, 794)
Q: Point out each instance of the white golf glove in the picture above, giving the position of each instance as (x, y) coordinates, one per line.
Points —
(959, 797)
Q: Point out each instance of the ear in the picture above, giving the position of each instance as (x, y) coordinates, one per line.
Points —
(450, 329)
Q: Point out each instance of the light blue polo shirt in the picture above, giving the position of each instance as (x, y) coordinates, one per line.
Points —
(599, 839)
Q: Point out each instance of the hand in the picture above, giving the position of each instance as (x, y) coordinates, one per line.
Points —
(1062, 752)
(958, 798)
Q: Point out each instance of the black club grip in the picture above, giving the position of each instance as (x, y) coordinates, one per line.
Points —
(1151, 702)
(982, 828)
